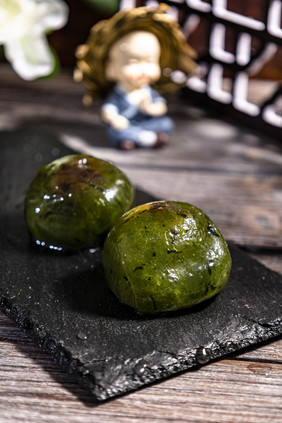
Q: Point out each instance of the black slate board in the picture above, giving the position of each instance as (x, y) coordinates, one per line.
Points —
(64, 304)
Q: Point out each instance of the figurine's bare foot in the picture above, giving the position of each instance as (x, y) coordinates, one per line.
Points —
(162, 140)
(127, 145)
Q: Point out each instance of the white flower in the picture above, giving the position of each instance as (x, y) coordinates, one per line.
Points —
(23, 24)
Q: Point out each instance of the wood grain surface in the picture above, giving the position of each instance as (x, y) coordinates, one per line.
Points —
(235, 175)
(244, 388)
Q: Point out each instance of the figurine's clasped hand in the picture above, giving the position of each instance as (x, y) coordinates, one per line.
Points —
(158, 108)
(117, 121)
(120, 122)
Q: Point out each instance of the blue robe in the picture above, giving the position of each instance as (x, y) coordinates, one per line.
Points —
(140, 123)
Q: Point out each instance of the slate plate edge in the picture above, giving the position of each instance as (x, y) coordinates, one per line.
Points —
(125, 375)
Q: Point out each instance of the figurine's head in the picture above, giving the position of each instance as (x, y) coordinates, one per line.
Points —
(134, 60)
(101, 61)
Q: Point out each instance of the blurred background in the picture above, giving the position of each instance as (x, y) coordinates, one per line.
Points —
(85, 13)
(237, 42)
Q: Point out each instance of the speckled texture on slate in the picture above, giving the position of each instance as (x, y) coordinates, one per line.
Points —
(65, 305)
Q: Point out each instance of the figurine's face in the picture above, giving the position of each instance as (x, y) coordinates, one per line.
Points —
(134, 60)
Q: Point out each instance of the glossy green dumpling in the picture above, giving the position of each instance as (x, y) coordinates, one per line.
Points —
(74, 201)
(165, 256)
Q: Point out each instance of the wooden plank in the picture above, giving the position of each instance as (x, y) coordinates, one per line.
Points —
(270, 352)
(270, 259)
(221, 392)
(235, 390)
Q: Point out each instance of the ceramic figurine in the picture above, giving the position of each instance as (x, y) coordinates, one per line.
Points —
(124, 60)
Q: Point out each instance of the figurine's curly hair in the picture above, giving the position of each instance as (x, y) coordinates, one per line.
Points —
(92, 57)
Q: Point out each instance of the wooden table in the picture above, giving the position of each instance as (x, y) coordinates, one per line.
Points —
(231, 172)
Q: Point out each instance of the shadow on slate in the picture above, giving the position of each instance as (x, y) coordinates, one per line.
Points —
(64, 304)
